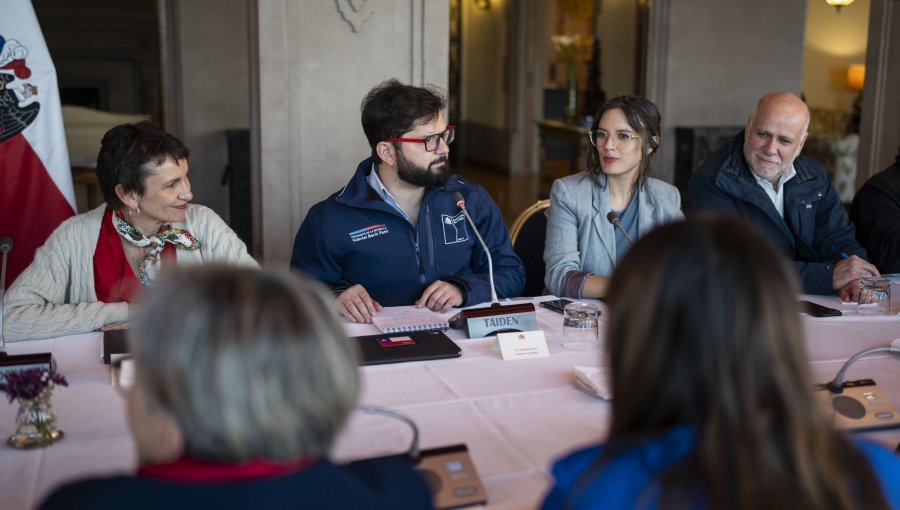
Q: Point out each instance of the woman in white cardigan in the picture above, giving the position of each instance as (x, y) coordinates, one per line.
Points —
(95, 264)
(582, 245)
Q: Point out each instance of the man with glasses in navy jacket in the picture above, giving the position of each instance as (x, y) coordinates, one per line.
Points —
(394, 235)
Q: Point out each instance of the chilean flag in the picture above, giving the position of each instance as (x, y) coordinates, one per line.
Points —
(36, 192)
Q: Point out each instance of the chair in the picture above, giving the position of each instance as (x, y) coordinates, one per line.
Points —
(527, 233)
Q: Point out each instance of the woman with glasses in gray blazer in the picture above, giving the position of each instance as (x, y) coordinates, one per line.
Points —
(583, 245)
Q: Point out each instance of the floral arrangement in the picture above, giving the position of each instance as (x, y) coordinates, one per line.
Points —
(567, 46)
(31, 383)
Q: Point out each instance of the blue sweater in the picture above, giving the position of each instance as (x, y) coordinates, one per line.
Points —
(629, 480)
(354, 237)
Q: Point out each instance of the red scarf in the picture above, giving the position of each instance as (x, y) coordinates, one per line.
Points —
(191, 470)
(114, 280)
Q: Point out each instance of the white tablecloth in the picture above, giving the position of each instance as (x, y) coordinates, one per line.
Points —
(515, 416)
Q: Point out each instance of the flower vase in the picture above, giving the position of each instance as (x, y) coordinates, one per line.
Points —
(35, 424)
(571, 111)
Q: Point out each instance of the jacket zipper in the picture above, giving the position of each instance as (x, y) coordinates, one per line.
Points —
(421, 259)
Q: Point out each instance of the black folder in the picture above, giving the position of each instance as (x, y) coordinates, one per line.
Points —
(400, 347)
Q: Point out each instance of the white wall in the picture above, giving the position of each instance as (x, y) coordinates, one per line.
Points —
(483, 64)
(314, 69)
(710, 62)
(617, 29)
(214, 89)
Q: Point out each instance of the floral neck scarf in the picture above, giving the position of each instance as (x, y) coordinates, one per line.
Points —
(148, 268)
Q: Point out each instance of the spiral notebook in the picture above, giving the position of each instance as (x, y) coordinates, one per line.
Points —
(405, 319)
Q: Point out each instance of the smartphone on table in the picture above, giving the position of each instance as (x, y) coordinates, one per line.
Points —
(556, 305)
(817, 310)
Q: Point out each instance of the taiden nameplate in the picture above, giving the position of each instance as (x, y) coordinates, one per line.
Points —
(488, 321)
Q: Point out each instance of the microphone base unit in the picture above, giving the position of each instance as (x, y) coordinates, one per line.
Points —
(452, 477)
(859, 406)
(497, 318)
(15, 362)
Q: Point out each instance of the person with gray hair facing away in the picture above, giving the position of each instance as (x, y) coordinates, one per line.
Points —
(236, 403)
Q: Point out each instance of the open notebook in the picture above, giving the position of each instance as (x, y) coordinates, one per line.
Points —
(405, 319)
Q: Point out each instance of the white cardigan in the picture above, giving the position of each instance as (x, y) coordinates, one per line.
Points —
(55, 295)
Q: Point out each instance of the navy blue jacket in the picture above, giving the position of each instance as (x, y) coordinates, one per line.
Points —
(876, 214)
(379, 483)
(815, 229)
(355, 237)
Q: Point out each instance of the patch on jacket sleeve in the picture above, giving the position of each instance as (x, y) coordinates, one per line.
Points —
(454, 228)
(368, 232)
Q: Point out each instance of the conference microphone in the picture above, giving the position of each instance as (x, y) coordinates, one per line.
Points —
(461, 203)
(413, 452)
(837, 385)
(6, 245)
(21, 361)
(448, 471)
(496, 318)
(614, 219)
(858, 405)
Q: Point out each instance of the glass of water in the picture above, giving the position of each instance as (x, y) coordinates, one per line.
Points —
(874, 296)
(580, 326)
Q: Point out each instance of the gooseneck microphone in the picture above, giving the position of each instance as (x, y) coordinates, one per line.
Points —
(6, 245)
(496, 318)
(16, 361)
(614, 219)
(414, 453)
(837, 385)
(461, 203)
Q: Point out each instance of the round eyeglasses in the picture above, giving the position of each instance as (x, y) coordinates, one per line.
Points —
(621, 140)
(432, 141)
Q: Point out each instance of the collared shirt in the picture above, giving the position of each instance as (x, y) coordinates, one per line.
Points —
(378, 186)
(776, 196)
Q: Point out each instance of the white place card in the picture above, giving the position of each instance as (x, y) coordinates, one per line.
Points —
(523, 345)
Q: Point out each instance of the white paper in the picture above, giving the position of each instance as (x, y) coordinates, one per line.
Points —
(523, 345)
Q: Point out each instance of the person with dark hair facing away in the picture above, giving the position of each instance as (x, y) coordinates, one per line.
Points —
(713, 405)
(761, 176)
(395, 235)
(582, 245)
(876, 213)
(236, 404)
(95, 264)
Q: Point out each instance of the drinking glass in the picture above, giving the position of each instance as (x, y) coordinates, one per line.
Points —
(874, 296)
(580, 326)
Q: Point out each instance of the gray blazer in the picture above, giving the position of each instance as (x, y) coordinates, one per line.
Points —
(580, 238)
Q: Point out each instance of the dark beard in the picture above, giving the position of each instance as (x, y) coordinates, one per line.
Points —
(436, 175)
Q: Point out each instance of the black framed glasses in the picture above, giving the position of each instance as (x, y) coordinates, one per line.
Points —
(621, 140)
(432, 141)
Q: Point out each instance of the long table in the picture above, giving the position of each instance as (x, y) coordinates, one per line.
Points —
(516, 417)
